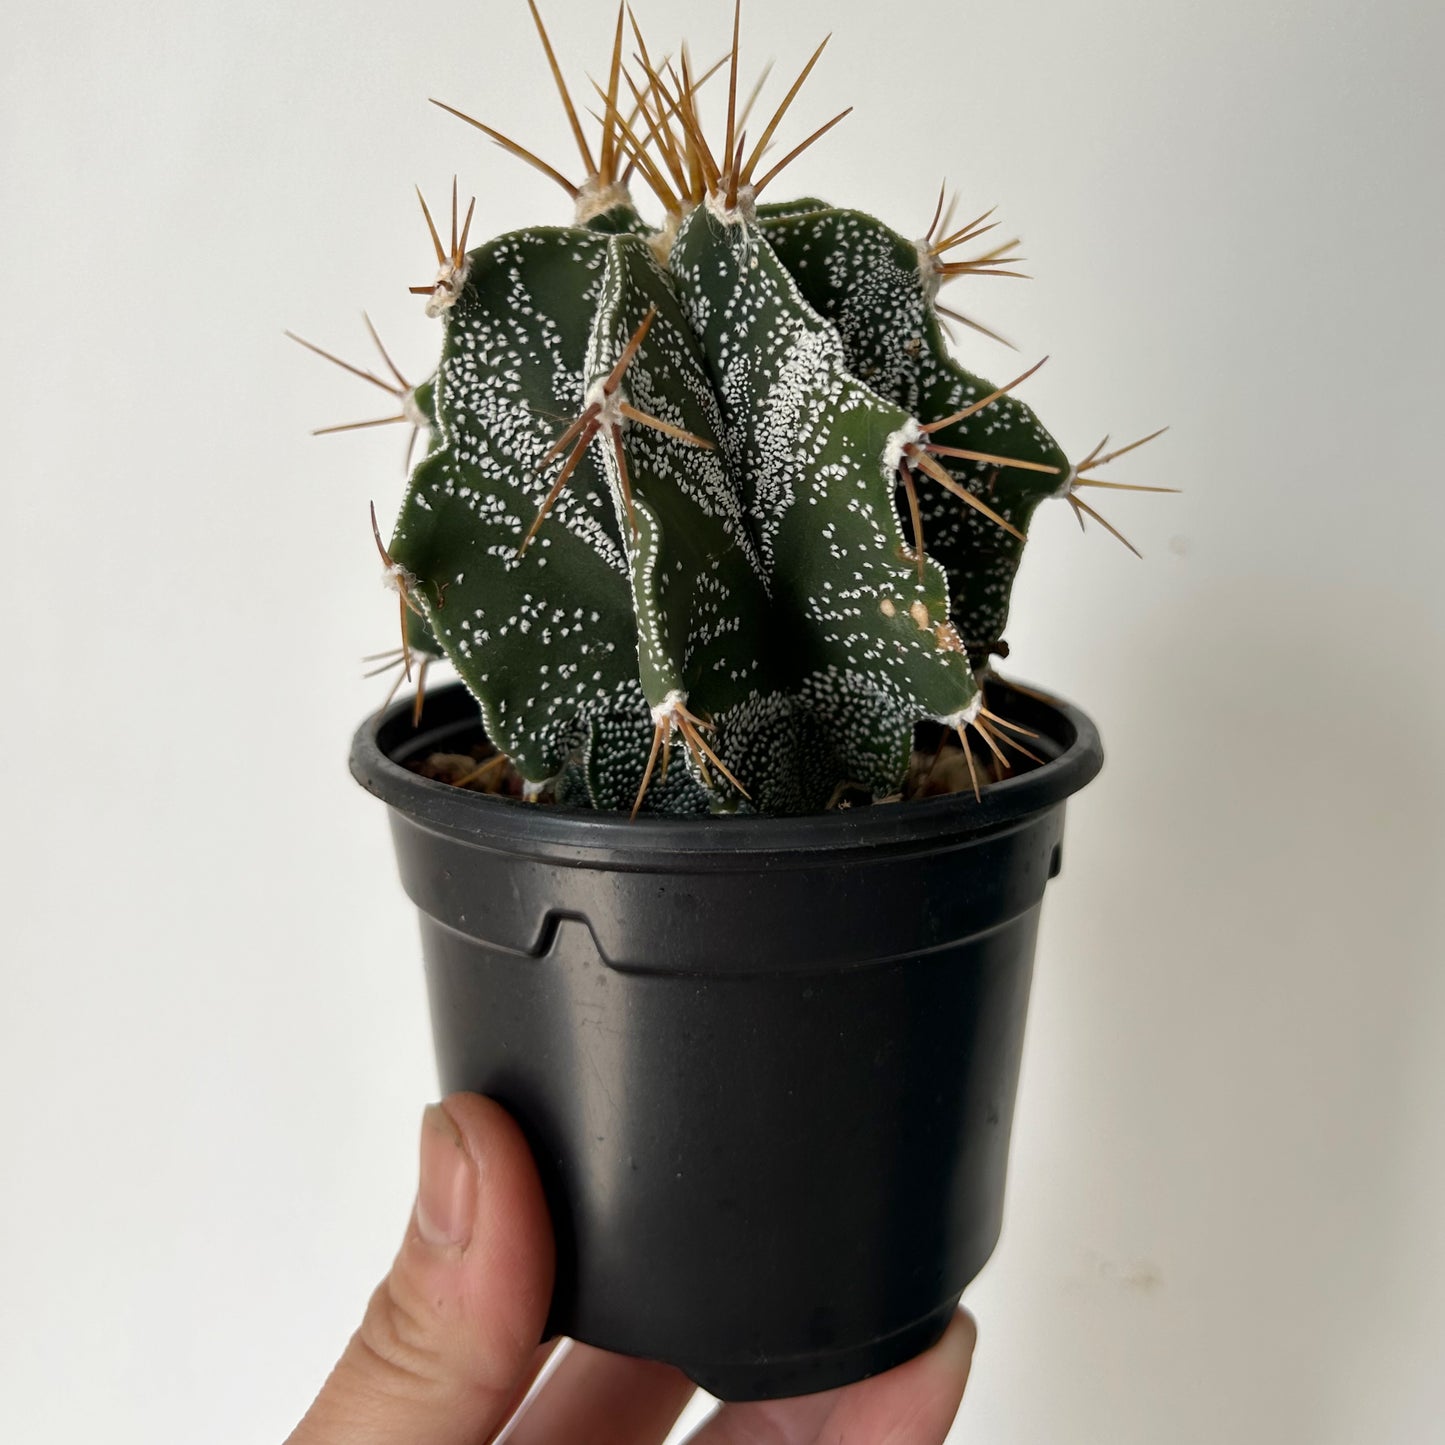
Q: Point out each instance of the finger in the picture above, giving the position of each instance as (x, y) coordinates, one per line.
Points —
(450, 1336)
(914, 1404)
(779, 1422)
(545, 1359)
(636, 1401)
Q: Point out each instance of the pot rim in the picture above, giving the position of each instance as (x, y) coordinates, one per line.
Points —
(561, 833)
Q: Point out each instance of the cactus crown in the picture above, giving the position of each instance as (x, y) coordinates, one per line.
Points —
(718, 481)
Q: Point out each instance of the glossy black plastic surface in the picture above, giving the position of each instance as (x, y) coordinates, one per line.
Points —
(767, 1066)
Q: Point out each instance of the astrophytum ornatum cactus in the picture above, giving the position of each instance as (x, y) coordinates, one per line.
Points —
(719, 481)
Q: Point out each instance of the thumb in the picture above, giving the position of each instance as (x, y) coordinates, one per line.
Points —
(449, 1335)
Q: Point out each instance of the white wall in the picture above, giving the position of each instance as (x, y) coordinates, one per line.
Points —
(1229, 1170)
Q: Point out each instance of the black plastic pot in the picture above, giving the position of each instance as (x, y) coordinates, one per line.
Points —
(767, 1066)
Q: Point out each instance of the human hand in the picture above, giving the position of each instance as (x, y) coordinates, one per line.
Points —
(449, 1346)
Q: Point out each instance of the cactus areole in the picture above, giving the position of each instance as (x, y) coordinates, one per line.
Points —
(709, 520)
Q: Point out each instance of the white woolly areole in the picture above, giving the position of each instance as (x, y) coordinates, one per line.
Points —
(928, 269)
(395, 578)
(1067, 485)
(908, 435)
(961, 719)
(532, 791)
(665, 710)
(595, 200)
(744, 213)
(449, 283)
(660, 242)
(411, 411)
(608, 404)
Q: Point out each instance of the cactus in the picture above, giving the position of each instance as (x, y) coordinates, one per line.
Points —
(717, 483)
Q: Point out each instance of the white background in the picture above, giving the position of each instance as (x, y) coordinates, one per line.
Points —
(1228, 1180)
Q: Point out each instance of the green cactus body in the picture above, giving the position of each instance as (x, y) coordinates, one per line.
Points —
(541, 639)
(762, 582)
(666, 484)
(862, 639)
(418, 639)
(870, 283)
(699, 594)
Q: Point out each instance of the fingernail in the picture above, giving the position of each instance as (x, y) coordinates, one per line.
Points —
(446, 1198)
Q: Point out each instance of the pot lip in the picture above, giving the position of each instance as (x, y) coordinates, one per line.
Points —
(561, 833)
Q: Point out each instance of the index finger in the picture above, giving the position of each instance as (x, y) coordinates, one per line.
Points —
(914, 1403)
